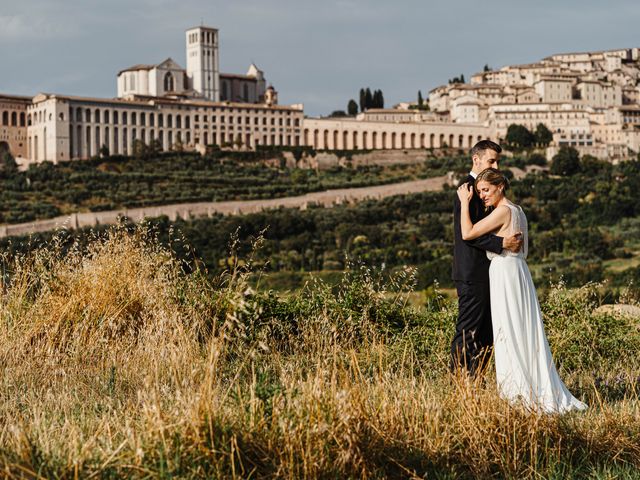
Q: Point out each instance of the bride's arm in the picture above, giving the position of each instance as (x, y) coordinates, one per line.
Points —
(493, 222)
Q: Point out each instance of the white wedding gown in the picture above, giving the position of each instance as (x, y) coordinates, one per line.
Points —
(525, 371)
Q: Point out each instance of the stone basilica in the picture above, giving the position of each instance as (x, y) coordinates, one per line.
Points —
(164, 103)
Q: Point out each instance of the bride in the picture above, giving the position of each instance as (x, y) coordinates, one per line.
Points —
(525, 371)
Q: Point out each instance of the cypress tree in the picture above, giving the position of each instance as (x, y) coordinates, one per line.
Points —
(352, 108)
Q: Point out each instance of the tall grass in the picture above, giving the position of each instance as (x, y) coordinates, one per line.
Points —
(118, 363)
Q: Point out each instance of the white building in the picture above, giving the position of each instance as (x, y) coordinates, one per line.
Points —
(63, 127)
(162, 104)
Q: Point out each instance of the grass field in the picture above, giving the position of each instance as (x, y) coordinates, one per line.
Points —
(116, 364)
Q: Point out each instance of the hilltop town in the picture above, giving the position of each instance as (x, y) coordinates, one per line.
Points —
(589, 101)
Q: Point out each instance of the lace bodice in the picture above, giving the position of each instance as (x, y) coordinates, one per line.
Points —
(518, 224)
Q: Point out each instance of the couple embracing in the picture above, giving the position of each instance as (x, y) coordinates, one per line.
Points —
(497, 301)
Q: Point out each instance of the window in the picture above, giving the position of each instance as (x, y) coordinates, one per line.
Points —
(169, 85)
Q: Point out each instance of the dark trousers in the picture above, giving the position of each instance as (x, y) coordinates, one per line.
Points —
(471, 345)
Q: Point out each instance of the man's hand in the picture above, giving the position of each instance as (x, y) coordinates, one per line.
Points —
(513, 242)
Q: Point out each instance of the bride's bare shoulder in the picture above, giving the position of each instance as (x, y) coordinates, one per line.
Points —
(502, 210)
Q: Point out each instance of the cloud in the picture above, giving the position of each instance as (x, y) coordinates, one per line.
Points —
(20, 28)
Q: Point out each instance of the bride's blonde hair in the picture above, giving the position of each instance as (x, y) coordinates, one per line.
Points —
(492, 176)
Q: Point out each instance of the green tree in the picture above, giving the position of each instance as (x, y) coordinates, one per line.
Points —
(368, 99)
(155, 147)
(8, 165)
(519, 136)
(486, 67)
(104, 151)
(537, 159)
(376, 99)
(352, 108)
(339, 113)
(565, 162)
(543, 135)
(420, 99)
(140, 149)
(363, 100)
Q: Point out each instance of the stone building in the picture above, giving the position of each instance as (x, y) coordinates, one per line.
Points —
(588, 100)
(583, 98)
(249, 88)
(354, 134)
(66, 127)
(160, 103)
(13, 124)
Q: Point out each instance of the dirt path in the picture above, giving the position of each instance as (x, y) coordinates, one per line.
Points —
(206, 209)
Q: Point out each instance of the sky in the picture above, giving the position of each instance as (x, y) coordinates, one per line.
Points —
(319, 53)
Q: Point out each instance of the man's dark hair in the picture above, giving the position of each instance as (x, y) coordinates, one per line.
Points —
(483, 145)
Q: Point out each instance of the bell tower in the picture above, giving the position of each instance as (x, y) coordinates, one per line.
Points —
(202, 62)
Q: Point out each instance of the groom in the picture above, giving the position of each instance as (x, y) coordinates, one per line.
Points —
(473, 339)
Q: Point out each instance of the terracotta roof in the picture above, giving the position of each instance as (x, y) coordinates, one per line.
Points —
(140, 66)
(203, 27)
(597, 52)
(238, 76)
(553, 79)
(4, 96)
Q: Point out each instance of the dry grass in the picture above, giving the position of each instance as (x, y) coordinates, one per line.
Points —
(116, 363)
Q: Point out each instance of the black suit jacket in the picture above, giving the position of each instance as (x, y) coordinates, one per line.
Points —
(470, 262)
